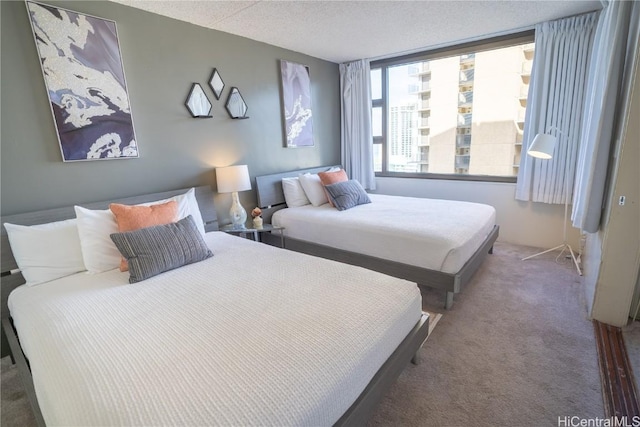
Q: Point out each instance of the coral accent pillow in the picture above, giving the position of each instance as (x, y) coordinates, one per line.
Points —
(131, 218)
(328, 178)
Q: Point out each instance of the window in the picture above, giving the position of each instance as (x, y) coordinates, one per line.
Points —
(453, 113)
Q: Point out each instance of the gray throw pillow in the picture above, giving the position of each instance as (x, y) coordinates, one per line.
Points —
(153, 250)
(347, 194)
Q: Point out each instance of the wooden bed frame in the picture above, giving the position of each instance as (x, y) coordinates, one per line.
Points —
(271, 199)
(357, 414)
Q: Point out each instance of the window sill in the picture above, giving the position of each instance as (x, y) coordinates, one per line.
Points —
(448, 177)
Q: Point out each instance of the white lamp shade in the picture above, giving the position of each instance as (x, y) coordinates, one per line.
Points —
(233, 178)
(542, 146)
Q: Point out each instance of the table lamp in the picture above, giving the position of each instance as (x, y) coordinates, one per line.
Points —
(232, 179)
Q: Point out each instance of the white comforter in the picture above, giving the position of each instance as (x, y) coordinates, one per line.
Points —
(253, 335)
(429, 233)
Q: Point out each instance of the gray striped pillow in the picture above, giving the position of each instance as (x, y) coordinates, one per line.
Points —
(347, 194)
(153, 250)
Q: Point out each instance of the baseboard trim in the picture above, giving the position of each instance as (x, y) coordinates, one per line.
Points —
(619, 391)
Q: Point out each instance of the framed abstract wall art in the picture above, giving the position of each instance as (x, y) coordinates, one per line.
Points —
(296, 104)
(84, 76)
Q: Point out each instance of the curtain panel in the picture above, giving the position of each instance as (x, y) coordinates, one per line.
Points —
(554, 105)
(355, 110)
(605, 114)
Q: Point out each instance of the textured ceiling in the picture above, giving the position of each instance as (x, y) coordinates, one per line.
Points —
(341, 31)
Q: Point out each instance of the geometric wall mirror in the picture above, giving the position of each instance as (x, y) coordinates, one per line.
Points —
(236, 107)
(216, 83)
(197, 103)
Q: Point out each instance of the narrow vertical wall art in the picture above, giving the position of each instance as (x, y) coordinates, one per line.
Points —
(84, 76)
(296, 104)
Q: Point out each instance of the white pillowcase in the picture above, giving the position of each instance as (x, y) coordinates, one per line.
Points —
(46, 252)
(313, 189)
(98, 250)
(294, 193)
(96, 226)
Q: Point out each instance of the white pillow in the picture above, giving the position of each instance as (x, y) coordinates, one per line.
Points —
(313, 189)
(46, 252)
(98, 250)
(96, 226)
(294, 193)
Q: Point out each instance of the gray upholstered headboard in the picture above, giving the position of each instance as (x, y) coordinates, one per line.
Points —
(269, 189)
(10, 281)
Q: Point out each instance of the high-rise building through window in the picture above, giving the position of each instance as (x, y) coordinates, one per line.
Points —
(402, 133)
(459, 114)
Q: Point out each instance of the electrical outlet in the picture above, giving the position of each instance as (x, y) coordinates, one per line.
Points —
(621, 200)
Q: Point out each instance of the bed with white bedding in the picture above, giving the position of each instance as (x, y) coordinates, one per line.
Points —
(435, 243)
(252, 335)
(229, 340)
(435, 234)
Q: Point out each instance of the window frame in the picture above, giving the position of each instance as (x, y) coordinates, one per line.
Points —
(502, 41)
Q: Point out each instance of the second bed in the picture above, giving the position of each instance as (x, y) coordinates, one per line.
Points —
(435, 243)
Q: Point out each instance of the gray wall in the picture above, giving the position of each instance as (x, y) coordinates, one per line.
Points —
(162, 57)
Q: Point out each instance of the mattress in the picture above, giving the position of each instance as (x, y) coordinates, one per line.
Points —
(429, 233)
(253, 335)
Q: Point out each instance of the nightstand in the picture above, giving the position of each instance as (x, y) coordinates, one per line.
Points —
(254, 232)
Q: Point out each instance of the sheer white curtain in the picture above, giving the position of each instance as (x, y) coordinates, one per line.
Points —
(554, 105)
(356, 138)
(610, 72)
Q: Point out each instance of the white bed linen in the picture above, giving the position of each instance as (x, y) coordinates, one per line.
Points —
(429, 233)
(253, 335)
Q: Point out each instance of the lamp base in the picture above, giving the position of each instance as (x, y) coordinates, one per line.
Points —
(237, 213)
(565, 247)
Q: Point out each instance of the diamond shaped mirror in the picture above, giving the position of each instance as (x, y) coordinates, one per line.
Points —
(216, 83)
(236, 107)
(197, 103)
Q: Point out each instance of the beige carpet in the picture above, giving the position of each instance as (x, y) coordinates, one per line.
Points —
(516, 349)
(434, 318)
(15, 410)
(631, 334)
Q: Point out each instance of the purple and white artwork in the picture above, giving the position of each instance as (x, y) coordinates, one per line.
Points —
(296, 102)
(82, 68)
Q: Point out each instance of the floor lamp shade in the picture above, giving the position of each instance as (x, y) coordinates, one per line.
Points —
(232, 179)
(542, 146)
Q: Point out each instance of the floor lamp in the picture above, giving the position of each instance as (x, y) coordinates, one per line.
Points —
(542, 148)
